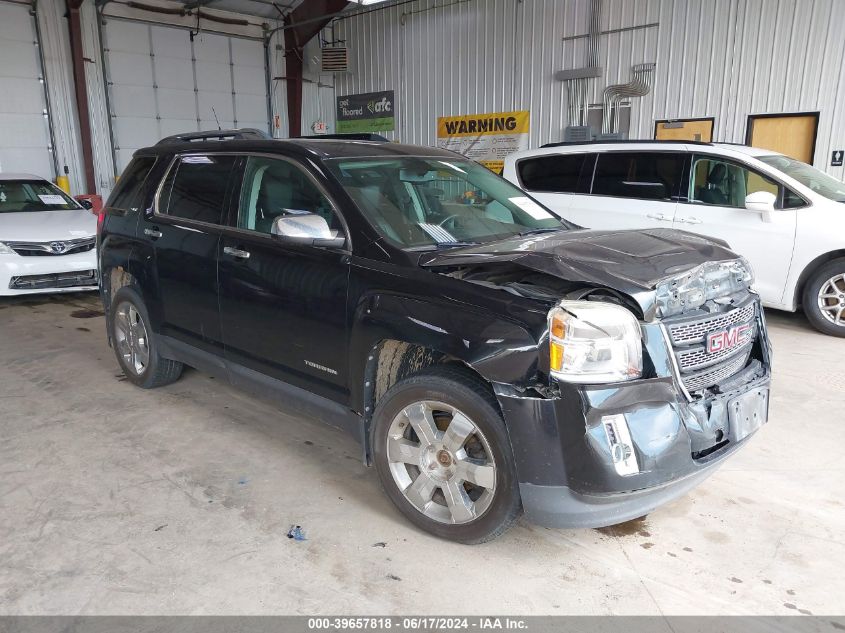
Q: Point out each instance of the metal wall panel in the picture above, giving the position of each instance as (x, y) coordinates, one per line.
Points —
(25, 139)
(721, 58)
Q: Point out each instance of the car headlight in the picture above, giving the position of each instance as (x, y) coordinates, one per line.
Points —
(5, 250)
(594, 342)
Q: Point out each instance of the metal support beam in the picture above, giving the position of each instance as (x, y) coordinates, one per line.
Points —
(82, 108)
(302, 24)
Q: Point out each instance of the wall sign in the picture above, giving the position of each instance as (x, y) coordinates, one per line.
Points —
(486, 138)
(366, 113)
(836, 158)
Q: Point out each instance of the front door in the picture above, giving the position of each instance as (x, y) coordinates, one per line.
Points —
(716, 208)
(283, 304)
(184, 229)
(631, 190)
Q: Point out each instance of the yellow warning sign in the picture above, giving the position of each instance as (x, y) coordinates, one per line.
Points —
(486, 138)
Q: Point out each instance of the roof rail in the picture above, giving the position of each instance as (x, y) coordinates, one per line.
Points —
(349, 137)
(246, 133)
(624, 142)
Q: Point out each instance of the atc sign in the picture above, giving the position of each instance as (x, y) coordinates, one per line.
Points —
(728, 339)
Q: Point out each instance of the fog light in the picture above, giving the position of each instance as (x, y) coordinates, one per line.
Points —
(621, 446)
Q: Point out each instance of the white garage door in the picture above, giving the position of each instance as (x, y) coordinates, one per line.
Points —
(24, 128)
(161, 83)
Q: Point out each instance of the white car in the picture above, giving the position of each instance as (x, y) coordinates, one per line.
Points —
(47, 239)
(786, 217)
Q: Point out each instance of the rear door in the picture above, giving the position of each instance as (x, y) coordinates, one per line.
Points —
(184, 230)
(283, 304)
(631, 190)
(716, 208)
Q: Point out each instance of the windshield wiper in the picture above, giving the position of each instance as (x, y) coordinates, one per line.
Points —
(442, 245)
(545, 230)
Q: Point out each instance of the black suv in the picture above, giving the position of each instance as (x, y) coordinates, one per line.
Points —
(489, 356)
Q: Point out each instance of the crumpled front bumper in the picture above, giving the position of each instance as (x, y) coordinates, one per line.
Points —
(569, 474)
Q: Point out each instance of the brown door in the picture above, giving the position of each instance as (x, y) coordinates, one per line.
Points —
(684, 130)
(790, 134)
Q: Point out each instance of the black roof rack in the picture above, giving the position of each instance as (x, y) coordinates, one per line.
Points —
(246, 133)
(623, 142)
(350, 137)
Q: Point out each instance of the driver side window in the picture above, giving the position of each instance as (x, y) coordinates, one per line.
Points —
(725, 184)
(274, 188)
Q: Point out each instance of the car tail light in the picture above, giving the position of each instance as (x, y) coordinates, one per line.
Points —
(101, 218)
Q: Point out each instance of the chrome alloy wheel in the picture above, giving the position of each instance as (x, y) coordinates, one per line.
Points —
(831, 299)
(131, 338)
(441, 462)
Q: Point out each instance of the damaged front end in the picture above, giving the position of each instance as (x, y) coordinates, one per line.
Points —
(649, 390)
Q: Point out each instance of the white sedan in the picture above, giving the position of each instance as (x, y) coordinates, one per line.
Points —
(47, 239)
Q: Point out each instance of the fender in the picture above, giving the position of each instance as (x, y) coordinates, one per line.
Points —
(499, 350)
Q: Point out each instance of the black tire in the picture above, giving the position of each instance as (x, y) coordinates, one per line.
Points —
(810, 298)
(459, 388)
(157, 371)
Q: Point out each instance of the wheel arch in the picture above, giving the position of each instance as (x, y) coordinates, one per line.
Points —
(810, 269)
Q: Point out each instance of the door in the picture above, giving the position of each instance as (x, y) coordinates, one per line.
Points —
(25, 145)
(698, 130)
(716, 208)
(790, 134)
(185, 233)
(283, 304)
(631, 190)
(162, 81)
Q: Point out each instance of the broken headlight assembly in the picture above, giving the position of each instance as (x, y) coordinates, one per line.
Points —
(692, 289)
(594, 342)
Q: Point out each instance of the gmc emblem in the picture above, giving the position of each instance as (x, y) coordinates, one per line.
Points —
(726, 339)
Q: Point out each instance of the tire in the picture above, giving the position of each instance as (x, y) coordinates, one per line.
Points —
(448, 444)
(819, 289)
(134, 343)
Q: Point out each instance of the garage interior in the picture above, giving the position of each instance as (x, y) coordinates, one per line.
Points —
(115, 500)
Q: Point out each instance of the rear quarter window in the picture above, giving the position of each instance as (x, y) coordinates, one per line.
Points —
(556, 173)
(127, 192)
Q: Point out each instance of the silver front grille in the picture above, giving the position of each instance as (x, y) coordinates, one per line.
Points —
(695, 331)
(699, 368)
(694, 382)
(56, 247)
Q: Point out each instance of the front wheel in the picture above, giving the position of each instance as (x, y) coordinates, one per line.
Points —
(824, 298)
(443, 456)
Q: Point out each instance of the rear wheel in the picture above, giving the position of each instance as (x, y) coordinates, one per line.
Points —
(824, 298)
(134, 343)
(443, 456)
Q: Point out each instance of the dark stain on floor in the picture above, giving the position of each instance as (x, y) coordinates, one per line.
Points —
(629, 528)
(83, 329)
(86, 314)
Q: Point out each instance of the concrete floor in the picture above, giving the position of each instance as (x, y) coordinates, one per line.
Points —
(177, 501)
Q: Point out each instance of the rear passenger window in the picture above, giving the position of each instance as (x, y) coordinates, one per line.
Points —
(557, 173)
(129, 186)
(195, 188)
(643, 175)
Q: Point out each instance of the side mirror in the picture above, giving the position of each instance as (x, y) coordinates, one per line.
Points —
(762, 202)
(302, 227)
(86, 203)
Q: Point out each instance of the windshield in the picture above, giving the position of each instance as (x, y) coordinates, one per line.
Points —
(428, 202)
(33, 195)
(808, 176)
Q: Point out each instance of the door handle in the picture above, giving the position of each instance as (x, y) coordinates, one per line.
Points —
(690, 220)
(236, 252)
(153, 233)
(660, 216)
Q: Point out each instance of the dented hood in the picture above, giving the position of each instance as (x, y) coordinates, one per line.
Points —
(632, 262)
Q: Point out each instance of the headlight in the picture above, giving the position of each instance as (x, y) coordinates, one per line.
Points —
(592, 342)
(5, 250)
